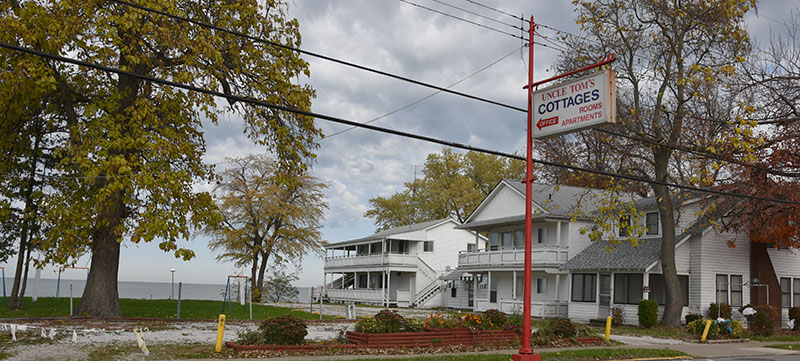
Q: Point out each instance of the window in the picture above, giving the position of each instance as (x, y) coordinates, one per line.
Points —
(624, 224)
(584, 287)
(658, 289)
(428, 246)
(736, 290)
(453, 292)
(627, 288)
(519, 239)
(541, 285)
(722, 288)
(472, 247)
(796, 292)
(494, 241)
(786, 289)
(652, 223)
(508, 243)
(542, 232)
(519, 287)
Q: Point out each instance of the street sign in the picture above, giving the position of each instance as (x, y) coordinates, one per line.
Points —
(578, 104)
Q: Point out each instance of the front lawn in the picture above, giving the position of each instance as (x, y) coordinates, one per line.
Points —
(786, 346)
(138, 308)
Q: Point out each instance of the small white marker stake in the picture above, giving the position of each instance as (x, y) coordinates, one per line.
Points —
(74, 336)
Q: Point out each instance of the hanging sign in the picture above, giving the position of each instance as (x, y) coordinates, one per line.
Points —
(577, 104)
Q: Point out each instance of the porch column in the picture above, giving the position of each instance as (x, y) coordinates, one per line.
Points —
(368, 279)
(489, 287)
(645, 283)
(514, 285)
(474, 291)
(370, 248)
(477, 241)
(558, 233)
(611, 294)
(343, 275)
(558, 280)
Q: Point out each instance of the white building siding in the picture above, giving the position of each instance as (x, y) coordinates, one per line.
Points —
(786, 263)
(718, 258)
(506, 202)
(447, 242)
(576, 241)
(682, 260)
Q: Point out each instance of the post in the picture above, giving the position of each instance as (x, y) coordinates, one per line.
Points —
(250, 297)
(58, 283)
(70, 298)
(526, 352)
(220, 332)
(608, 328)
(4, 282)
(320, 303)
(172, 289)
(180, 285)
(705, 332)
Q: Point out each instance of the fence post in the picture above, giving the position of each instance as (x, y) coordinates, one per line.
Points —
(180, 285)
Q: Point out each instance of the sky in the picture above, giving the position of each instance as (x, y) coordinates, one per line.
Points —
(396, 37)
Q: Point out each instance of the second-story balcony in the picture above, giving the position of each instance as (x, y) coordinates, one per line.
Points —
(371, 261)
(543, 256)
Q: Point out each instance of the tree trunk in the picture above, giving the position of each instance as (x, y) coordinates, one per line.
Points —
(15, 302)
(674, 294)
(101, 297)
(261, 271)
(254, 290)
(25, 277)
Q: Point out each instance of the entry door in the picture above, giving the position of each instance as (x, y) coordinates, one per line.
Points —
(605, 296)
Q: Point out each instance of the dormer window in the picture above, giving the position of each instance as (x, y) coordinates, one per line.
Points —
(624, 224)
(652, 223)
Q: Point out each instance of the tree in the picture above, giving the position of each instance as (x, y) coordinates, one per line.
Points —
(278, 286)
(673, 60)
(132, 150)
(454, 184)
(267, 216)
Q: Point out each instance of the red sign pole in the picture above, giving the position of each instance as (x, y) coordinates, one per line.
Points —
(526, 352)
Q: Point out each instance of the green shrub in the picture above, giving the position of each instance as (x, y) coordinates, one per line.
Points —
(495, 318)
(724, 310)
(392, 320)
(414, 325)
(648, 313)
(370, 325)
(561, 327)
(617, 316)
(763, 322)
(692, 317)
(514, 323)
(737, 329)
(697, 327)
(284, 330)
(794, 314)
(585, 331)
(249, 337)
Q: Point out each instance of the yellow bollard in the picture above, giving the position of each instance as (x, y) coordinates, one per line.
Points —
(220, 332)
(608, 328)
(705, 332)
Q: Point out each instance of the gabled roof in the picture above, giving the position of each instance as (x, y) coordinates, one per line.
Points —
(627, 257)
(393, 232)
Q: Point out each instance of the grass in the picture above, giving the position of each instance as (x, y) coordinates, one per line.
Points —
(786, 346)
(157, 352)
(190, 309)
(778, 337)
(567, 355)
(656, 331)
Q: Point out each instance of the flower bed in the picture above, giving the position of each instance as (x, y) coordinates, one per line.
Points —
(434, 336)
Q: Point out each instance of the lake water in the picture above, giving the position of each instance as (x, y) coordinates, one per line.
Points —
(142, 290)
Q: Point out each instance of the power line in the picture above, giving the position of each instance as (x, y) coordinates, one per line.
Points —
(420, 100)
(496, 10)
(309, 53)
(462, 19)
(478, 15)
(377, 128)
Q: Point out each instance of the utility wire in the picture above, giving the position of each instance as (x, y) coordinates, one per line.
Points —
(496, 10)
(309, 53)
(461, 19)
(420, 100)
(478, 15)
(377, 128)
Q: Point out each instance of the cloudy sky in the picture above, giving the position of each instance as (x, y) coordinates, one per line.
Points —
(400, 38)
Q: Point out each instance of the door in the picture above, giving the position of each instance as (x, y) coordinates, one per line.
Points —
(605, 296)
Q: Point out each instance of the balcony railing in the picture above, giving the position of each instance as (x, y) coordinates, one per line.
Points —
(542, 256)
(371, 260)
(360, 295)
